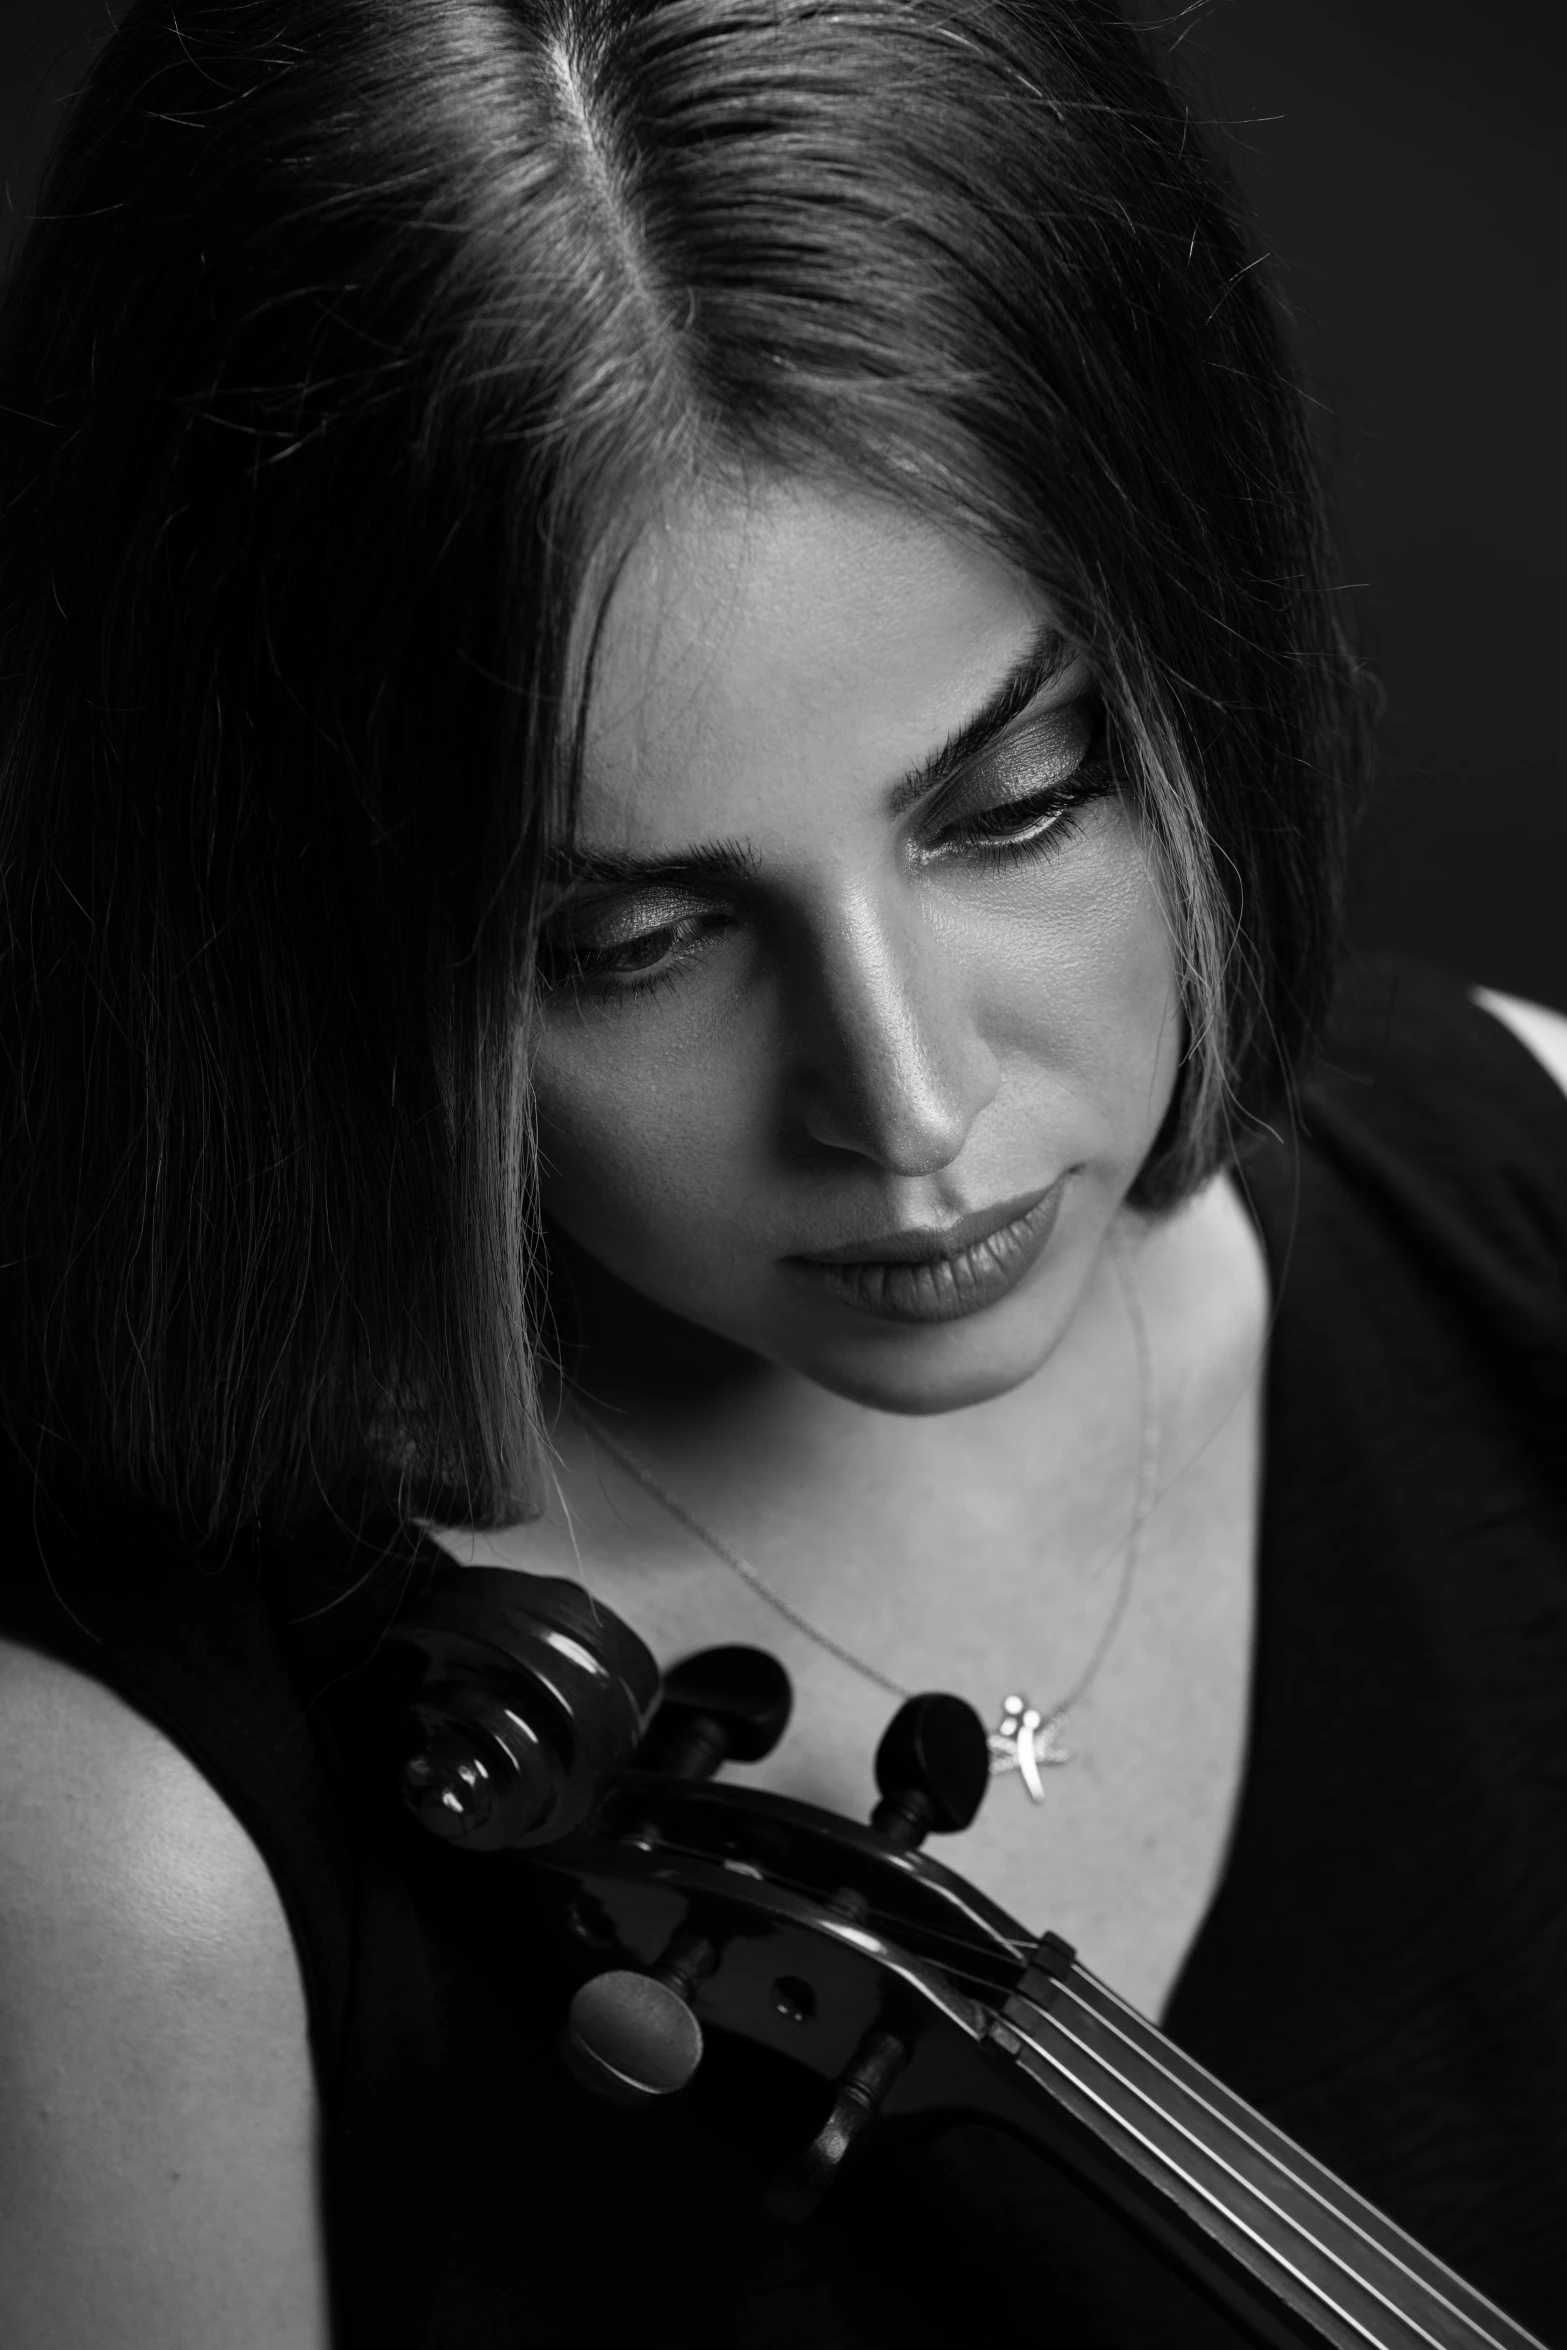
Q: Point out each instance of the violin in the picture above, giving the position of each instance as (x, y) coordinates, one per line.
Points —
(527, 1726)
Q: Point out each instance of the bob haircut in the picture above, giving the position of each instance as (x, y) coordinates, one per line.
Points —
(352, 346)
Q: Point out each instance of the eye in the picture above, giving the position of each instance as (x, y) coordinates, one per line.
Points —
(635, 962)
(1019, 823)
(1066, 766)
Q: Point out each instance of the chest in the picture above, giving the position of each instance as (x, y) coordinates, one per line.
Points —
(1124, 1849)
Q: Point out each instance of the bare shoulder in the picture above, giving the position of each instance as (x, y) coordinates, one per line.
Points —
(1543, 1031)
(158, 2176)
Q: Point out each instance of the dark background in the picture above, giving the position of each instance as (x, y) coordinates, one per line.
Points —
(1405, 159)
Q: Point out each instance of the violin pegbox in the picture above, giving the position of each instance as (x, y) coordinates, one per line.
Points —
(632, 2035)
(515, 1703)
(528, 1720)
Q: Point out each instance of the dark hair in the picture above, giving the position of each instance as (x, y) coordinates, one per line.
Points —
(353, 344)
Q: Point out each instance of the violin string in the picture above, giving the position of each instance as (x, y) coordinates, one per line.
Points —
(1145, 2042)
(1350, 2209)
(968, 1949)
(1084, 2088)
(981, 1982)
(1268, 2154)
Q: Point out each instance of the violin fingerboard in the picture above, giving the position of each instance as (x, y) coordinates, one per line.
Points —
(1319, 2254)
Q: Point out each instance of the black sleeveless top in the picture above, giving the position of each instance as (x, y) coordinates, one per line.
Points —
(1383, 1969)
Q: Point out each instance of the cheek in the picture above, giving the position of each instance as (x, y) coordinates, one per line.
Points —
(1085, 986)
(631, 1140)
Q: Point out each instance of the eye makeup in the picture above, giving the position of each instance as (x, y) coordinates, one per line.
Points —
(1039, 760)
(609, 945)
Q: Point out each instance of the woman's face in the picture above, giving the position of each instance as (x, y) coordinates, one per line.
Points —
(814, 981)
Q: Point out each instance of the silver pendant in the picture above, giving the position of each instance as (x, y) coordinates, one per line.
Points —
(1022, 1740)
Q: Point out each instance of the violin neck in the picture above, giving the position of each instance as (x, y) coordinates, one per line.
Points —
(1312, 2261)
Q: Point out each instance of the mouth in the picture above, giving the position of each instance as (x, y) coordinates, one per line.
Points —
(938, 1273)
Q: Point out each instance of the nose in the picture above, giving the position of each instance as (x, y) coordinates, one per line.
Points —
(887, 1058)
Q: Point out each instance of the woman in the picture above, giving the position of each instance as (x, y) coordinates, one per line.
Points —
(677, 750)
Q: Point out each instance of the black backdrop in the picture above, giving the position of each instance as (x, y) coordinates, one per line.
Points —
(1406, 161)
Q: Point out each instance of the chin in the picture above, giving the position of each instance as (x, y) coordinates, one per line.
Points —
(921, 1381)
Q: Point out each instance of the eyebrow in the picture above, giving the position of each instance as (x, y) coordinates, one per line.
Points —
(1045, 658)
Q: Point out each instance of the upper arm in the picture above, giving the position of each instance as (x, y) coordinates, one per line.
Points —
(158, 2146)
(1544, 1032)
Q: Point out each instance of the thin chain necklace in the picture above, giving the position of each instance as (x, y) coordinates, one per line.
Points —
(1026, 1736)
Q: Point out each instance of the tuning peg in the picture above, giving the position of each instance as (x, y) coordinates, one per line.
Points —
(632, 2037)
(723, 1705)
(932, 1769)
(797, 2191)
(515, 1703)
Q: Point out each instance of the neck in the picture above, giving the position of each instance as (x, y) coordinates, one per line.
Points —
(748, 1440)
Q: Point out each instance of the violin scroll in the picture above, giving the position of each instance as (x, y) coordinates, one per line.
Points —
(517, 1703)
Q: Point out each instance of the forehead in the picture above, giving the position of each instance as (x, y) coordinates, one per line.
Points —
(800, 636)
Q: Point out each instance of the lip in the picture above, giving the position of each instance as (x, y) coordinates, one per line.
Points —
(939, 1275)
(923, 1243)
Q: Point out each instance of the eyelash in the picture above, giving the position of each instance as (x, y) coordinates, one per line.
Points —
(1066, 803)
